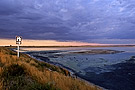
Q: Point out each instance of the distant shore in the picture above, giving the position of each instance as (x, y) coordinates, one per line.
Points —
(10, 46)
(97, 51)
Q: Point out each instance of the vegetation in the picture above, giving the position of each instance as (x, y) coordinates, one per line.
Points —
(26, 73)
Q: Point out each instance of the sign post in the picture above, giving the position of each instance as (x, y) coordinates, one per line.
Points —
(18, 51)
(18, 41)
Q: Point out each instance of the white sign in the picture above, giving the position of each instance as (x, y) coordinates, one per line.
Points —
(18, 40)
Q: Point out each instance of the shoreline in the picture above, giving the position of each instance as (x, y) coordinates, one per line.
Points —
(73, 73)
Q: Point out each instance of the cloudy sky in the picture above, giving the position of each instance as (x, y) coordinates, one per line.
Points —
(93, 21)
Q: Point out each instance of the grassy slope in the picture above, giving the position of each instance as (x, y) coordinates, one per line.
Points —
(26, 73)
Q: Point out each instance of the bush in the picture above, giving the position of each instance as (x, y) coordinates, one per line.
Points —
(14, 70)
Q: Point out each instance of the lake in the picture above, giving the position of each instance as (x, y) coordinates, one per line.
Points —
(111, 71)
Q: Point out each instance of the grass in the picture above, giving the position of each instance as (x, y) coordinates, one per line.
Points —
(26, 73)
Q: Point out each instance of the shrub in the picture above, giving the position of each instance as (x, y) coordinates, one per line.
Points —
(14, 70)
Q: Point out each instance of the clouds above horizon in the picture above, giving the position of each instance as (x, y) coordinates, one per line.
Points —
(79, 20)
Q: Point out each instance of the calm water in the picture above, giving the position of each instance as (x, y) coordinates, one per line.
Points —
(107, 70)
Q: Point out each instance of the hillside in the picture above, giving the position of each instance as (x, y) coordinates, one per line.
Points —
(26, 73)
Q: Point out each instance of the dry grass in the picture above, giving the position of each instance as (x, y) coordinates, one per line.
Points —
(42, 72)
(1, 85)
(1, 70)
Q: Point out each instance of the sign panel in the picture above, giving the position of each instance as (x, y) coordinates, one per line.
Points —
(18, 40)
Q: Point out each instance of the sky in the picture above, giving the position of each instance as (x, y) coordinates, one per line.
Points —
(90, 21)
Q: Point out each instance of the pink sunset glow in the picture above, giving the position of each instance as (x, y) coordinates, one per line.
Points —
(26, 42)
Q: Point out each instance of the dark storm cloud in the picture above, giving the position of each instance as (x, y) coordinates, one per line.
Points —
(67, 19)
(8, 7)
